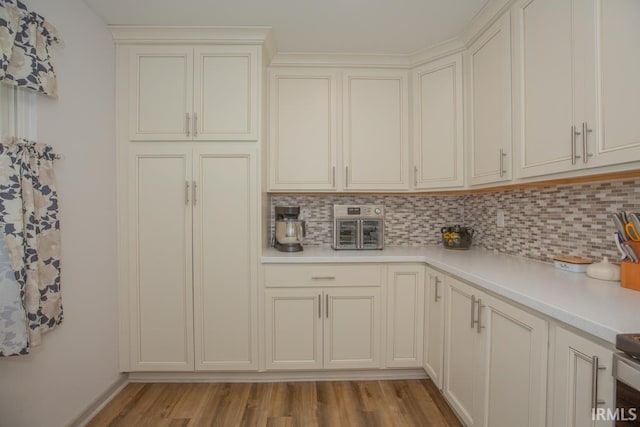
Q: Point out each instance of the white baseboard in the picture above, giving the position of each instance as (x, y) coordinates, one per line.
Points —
(280, 376)
(100, 402)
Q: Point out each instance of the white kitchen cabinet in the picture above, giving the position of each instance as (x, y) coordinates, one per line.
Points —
(182, 92)
(555, 85)
(193, 297)
(375, 129)
(438, 124)
(515, 365)
(160, 277)
(619, 90)
(225, 245)
(495, 359)
(303, 129)
(582, 380)
(489, 94)
(464, 351)
(405, 315)
(315, 328)
(293, 328)
(434, 326)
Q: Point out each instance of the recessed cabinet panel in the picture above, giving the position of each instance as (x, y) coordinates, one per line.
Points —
(490, 101)
(405, 315)
(438, 126)
(547, 82)
(620, 86)
(160, 261)
(224, 267)
(161, 94)
(225, 96)
(352, 329)
(303, 130)
(293, 332)
(375, 131)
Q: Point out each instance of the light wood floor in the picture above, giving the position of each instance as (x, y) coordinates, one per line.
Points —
(339, 403)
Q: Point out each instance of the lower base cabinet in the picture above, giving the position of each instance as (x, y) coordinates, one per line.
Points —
(582, 381)
(495, 359)
(323, 328)
(433, 354)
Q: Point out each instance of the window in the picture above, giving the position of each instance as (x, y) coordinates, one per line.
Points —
(17, 112)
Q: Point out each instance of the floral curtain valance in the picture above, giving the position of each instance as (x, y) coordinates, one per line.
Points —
(26, 41)
(30, 299)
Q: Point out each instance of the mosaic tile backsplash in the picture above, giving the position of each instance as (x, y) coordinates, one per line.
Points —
(540, 222)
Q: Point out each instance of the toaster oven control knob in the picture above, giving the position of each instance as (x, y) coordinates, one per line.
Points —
(377, 211)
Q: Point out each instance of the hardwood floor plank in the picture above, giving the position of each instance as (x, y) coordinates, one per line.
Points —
(296, 404)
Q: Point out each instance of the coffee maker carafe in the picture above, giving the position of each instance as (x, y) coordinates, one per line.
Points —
(290, 231)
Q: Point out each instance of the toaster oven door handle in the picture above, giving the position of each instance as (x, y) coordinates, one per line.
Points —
(359, 234)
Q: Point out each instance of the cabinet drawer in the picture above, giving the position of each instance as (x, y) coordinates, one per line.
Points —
(285, 275)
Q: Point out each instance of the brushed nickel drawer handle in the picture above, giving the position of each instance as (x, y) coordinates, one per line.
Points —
(323, 277)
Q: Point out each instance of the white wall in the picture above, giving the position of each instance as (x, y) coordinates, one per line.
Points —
(78, 361)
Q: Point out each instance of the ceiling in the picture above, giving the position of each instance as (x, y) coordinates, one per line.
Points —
(323, 26)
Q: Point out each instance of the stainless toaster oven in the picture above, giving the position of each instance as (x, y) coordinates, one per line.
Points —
(358, 227)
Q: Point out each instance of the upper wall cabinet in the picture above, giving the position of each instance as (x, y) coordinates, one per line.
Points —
(303, 137)
(554, 72)
(183, 93)
(375, 130)
(489, 89)
(619, 90)
(438, 126)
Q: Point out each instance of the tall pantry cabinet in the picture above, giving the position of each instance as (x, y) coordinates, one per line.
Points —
(188, 193)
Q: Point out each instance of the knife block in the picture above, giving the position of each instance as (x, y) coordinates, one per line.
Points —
(630, 275)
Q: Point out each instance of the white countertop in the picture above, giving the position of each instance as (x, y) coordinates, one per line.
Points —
(600, 308)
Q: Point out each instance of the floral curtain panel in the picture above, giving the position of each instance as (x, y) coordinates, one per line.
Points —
(30, 301)
(26, 41)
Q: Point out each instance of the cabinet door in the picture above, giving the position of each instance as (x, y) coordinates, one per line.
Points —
(161, 90)
(516, 365)
(576, 379)
(352, 328)
(303, 121)
(226, 85)
(225, 260)
(619, 140)
(434, 326)
(463, 353)
(293, 332)
(405, 316)
(557, 128)
(489, 60)
(161, 315)
(438, 125)
(375, 130)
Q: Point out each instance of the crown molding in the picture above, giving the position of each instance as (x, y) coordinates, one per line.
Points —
(489, 14)
(340, 60)
(438, 51)
(128, 34)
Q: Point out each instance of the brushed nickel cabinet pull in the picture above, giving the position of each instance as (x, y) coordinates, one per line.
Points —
(186, 192)
(585, 146)
(323, 277)
(415, 176)
(574, 133)
(333, 176)
(346, 176)
(319, 306)
(326, 303)
(502, 156)
(473, 314)
(436, 297)
(195, 124)
(478, 322)
(595, 367)
(195, 192)
(188, 124)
